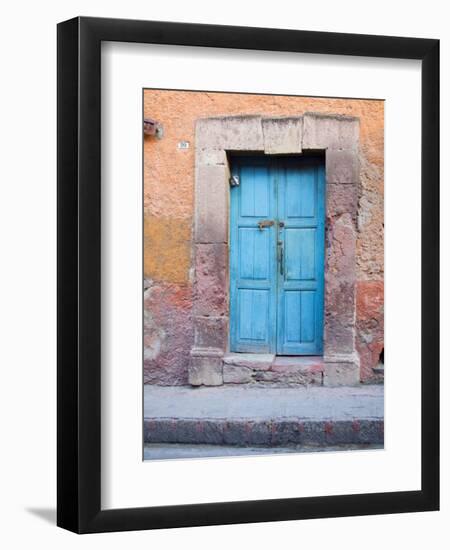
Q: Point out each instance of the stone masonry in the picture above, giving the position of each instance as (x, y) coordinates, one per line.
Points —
(338, 137)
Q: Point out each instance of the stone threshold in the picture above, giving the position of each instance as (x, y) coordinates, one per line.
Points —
(247, 368)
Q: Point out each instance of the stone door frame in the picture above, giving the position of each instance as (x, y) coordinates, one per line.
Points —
(337, 136)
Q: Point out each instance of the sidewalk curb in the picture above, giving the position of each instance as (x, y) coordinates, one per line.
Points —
(263, 432)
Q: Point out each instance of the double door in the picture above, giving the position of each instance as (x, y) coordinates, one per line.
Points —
(277, 233)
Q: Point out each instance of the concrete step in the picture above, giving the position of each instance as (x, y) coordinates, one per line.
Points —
(245, 368)
(251, 415)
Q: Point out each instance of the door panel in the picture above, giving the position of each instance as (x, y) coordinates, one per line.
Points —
(276, 272)
(253, 258)
(301, 208)
(298, 327)
(254, 254)
(253, 306)
(255, 191)
(302, 196)
(299, 251)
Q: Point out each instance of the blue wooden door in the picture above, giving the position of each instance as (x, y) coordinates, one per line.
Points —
(301, 239)
(253, 265)
(277, 256)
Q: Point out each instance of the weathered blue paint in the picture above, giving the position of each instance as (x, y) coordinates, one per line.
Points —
(277, 272)
(253, 269)
(301, 206)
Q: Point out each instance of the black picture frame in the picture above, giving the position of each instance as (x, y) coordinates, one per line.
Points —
(79, 281)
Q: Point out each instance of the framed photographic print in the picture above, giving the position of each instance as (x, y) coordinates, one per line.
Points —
(248, 255)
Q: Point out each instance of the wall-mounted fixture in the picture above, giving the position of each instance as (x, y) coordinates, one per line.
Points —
(153, 128)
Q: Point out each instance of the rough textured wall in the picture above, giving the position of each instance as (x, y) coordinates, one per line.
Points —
(168, 218)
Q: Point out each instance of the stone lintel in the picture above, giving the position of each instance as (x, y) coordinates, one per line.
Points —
(328, 131)
(230, 133)
(282, 135)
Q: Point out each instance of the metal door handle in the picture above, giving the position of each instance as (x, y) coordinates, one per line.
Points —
(281, 257)
(265, 223)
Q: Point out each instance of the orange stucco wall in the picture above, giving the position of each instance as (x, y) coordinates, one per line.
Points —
(168, 217)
